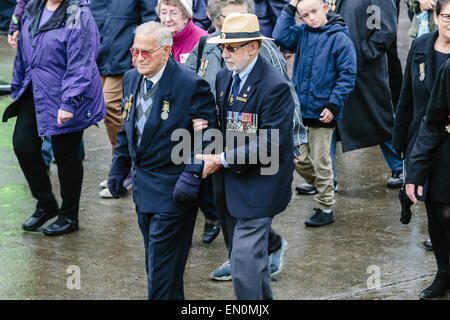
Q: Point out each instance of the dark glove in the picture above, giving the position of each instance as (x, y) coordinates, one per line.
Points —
(187, 187)
(400, 153)
(115, 185)
(406, 203)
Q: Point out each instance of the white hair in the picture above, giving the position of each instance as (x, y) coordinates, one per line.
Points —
(163, 34)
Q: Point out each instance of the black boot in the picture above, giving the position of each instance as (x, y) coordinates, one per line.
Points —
(439, 287)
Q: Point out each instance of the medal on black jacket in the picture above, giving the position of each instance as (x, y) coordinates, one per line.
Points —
(422, 71)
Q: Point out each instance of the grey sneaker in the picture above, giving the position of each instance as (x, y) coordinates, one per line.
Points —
(223, 273)
(276, 259)
(319, 218)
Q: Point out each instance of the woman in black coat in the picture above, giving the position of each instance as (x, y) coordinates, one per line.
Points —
(426, 56)
(429, 163)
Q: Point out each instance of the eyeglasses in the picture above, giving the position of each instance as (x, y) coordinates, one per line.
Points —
(147, 54)
(445, 17)
(231, 49)
(172, 14)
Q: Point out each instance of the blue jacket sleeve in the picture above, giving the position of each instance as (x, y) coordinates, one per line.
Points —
(121, 162)
(285, 32)
(202, 106)
(346, 66)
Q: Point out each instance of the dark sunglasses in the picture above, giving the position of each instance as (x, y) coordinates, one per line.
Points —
(231, 49)
(147, 54)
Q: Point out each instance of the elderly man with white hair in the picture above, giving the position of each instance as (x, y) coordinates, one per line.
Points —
(160, 96)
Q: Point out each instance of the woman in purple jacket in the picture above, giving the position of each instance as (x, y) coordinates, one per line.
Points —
(56, 91)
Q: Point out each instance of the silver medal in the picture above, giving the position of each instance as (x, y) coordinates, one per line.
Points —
(164, 115)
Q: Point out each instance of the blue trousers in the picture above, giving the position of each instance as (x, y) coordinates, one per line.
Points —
(393, 162)
(167, 239)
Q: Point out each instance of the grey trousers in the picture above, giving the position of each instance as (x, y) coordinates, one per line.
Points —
(250, 259)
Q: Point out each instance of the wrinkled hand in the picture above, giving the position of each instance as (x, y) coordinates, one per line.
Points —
(187, 188)
(327, 116)
(410, 191)
(199, 124)
(115, 185)
(12, 39)
(212, 163)
(296, 160)
(426, 5)
(64, 116)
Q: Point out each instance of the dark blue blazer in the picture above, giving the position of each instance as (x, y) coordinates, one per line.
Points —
(248, 193)
(154, 173)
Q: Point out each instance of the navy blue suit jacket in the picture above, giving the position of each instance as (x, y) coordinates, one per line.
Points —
(154, 173)
(248, 193)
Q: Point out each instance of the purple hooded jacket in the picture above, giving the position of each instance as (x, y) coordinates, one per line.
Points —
(59, 61)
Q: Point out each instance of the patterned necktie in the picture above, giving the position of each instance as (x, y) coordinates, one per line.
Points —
(235, 88)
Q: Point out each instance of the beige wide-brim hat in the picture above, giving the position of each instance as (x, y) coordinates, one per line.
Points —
(239, 27)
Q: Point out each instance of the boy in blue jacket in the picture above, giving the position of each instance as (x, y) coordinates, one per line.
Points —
(324, 75)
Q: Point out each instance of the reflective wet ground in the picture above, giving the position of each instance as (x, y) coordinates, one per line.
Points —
(366, 254)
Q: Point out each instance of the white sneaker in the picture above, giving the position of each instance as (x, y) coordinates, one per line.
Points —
(104, 184)
(105, 193)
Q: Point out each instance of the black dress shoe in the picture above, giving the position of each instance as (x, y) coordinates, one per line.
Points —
(38, 218)
(210, 232)
(439, 287)
(61, 226)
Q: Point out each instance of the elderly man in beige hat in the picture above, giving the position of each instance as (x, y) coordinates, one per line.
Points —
(251, 95)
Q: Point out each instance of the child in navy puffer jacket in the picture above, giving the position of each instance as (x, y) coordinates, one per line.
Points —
(324, 75)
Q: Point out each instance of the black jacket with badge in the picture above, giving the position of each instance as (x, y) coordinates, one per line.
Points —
(430, 156)
(418, 82)
(368, 115)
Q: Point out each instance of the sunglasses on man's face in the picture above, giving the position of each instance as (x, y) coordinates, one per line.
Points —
(231, 49)
(146, 54)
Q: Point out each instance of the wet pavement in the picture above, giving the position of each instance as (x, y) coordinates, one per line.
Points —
(338, 261)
